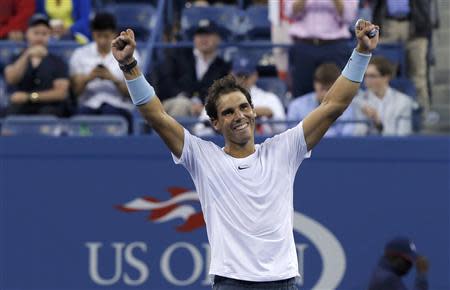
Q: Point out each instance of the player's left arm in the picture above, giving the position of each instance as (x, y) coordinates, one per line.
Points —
(341, 94)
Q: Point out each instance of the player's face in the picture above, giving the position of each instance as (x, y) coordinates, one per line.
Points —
(38, 35)
(235, 118)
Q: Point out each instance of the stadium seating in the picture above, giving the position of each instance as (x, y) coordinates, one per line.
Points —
(276, 86)
(63, 49)
(76, 126)
(8, 49)
(31, 125)
(227, 17)
(141, 17)
(395, 52)
(259, 27)
(3, 94)
(105, 125)
(405, 86)
(263, 56)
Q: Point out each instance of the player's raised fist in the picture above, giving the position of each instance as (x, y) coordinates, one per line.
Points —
(123, 47)
(367, 35)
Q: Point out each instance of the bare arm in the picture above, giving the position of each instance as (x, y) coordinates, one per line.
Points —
(339, 97)
(15, 71)
(167, 127)
(58, 92)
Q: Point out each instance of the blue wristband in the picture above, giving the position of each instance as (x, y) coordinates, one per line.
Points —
(141, 91)
(356, 66)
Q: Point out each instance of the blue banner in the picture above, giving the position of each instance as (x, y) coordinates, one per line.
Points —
(117, 213)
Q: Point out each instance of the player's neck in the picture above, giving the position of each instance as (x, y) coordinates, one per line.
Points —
(240, 150)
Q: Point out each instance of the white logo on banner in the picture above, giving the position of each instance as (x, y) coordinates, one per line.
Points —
(328, 247)
(330, 250)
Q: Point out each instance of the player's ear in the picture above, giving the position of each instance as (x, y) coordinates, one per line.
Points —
(214, 124)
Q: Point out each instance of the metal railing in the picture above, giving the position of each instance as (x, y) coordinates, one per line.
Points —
(154, 37)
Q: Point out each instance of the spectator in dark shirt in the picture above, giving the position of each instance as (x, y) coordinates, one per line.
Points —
(183, 79)
(39, 78)
(399, 256)
(14, 16)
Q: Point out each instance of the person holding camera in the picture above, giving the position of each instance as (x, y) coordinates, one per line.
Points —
(96, 80)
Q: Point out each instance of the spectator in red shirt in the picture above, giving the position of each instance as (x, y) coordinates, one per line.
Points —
(14, 16)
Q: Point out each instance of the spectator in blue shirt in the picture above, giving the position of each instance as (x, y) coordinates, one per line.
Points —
(324, 77)
(399, 256)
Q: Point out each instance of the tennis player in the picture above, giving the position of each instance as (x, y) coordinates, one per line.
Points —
(246, 189)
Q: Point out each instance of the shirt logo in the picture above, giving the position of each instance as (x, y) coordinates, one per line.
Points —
(240, 167)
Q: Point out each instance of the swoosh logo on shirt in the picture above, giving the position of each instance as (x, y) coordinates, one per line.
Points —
(240, 167)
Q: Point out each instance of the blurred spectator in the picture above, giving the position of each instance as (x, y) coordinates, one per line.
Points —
(399, 256)
(96, 78)
(280, 23)
(267, 105)
(408, 22)
(324, 77)
(388, 109)
(39, 78)
(258, 2)
(320, 31)
(213, 2)
(365, 11)
(182, 81)
(69, 19)
(14, 16)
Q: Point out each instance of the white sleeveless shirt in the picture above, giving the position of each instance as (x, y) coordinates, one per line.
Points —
(247, 204)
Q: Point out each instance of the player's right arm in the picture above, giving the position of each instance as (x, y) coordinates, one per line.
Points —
(151, 108)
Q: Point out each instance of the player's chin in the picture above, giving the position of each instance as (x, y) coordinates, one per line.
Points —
(243, 136)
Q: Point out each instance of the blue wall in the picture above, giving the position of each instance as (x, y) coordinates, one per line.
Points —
(60, 227)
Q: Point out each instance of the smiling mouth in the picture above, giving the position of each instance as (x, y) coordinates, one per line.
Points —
(240, 127)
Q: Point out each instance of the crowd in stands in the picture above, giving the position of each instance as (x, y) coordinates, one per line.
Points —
(313, 40)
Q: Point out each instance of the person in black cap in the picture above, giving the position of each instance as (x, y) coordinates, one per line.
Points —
(183, 79)
(400, 255)
(38, 78)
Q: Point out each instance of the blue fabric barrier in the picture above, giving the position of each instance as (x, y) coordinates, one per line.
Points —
(66, 221)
